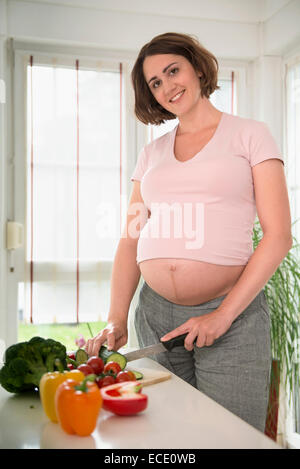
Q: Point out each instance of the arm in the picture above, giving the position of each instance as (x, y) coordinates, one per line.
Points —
(274, 215)
(124, 281)
(125, 278)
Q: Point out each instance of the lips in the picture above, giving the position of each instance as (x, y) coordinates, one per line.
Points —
(177, 96)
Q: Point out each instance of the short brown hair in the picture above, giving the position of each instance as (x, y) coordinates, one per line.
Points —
(147, 109)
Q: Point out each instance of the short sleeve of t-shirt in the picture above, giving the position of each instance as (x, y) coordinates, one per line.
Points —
(141, 166)
(262, 145)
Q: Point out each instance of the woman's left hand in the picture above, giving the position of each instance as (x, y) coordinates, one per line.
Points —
(206, 329)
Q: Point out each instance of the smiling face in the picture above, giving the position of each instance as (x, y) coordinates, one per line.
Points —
(173, 82)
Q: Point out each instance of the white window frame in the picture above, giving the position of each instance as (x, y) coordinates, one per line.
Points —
(20, 53)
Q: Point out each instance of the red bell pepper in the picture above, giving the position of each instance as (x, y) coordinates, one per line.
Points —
(124, 398)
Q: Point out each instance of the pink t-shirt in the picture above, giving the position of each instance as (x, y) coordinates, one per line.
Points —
(203, 208)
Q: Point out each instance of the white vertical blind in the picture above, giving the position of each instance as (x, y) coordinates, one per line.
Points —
(74, 191)
(293, 143)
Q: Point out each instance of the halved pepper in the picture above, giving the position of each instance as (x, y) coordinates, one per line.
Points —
(48, 386)
(78, 405)
(124, 398)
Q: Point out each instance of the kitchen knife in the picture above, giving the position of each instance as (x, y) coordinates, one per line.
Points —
(167, 345)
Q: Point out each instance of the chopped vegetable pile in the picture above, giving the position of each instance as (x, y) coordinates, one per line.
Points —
(26, 362)
(109, 366)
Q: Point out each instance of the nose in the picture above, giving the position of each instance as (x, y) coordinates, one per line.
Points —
(169, 89)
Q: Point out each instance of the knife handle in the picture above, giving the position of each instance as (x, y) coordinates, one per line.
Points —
(175, 342)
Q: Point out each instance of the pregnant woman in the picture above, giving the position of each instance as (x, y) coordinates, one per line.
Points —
(196, 192)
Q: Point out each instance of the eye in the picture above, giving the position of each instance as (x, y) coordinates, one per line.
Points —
(174, 70)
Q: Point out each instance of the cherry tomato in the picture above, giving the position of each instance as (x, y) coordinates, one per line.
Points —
(123, 376)
(132, 375)
(70, 366)
(105, 381)
(71, 355)
(96, 363)
(113, 367)
(86, 369)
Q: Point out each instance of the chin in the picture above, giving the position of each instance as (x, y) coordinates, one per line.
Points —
(182, 112)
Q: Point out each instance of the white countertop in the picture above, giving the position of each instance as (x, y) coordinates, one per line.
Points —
(177, 416)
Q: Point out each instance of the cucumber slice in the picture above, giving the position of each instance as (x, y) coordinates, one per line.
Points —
(112, 356)
(81, 356)
(138, 375)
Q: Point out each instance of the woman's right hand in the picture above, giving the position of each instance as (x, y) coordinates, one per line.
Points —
(115, 334)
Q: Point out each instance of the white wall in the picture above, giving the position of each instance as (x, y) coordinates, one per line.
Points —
(3, 185)
(254, 34)
(126, 30)
(230, 28)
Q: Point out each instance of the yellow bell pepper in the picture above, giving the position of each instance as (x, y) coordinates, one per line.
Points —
(48, 386)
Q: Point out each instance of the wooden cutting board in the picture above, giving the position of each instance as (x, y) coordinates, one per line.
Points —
(151, 376)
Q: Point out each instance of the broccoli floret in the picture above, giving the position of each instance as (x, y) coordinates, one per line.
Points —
(26, 362)
(14, 351)
(51, 350)
(12, 376)
(36, 341)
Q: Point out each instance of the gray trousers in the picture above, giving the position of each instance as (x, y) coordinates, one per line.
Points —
(234, 371)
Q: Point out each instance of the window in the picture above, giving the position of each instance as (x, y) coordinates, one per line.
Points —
(293, 142)
(292, 171)
(74, 192)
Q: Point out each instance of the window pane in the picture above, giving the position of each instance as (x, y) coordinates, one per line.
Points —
(73, 192)
(55, 160)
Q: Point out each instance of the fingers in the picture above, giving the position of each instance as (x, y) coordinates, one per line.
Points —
(93, 345)
(174, 333)
(209, 341)
(196, 335)
(202, 340)
(113, 337)
(189, 340)
(110, 341)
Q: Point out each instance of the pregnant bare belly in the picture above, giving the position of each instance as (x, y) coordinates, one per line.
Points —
(187, 282)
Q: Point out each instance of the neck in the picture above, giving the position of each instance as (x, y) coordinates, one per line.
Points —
(202, 116)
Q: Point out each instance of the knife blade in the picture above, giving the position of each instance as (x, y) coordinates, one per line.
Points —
(167, 345)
